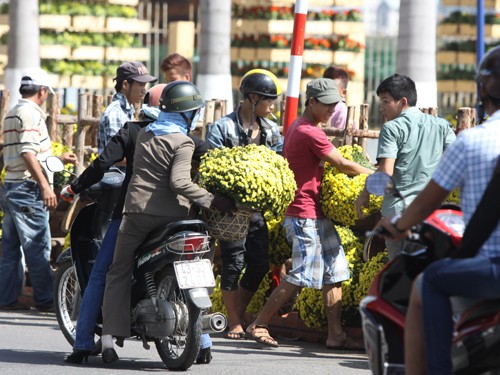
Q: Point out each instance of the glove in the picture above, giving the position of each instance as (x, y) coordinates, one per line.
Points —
(67, 194)
(225, 205)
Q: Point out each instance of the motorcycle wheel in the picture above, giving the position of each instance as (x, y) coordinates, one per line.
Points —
(179, 351)
(67, 300)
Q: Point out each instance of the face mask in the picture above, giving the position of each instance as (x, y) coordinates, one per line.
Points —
(194, 121)
(150, 112)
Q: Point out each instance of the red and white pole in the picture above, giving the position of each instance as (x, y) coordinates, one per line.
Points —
(295, 68)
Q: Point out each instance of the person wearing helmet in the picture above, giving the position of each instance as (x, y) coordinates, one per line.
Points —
(160, 192)
(120, 147)
(469, 164)
(248, 124)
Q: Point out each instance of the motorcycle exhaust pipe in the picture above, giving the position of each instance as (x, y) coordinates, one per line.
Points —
(215, 322)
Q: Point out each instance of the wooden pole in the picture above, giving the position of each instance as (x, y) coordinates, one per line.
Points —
(4, 108)
(83, 112)
(466, 118)
(97, 109)
(363, 123)
(220, 109)
(209, 117)
(52, 111)
(351, 115)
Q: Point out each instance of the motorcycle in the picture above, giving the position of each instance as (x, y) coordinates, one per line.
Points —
(476, 341)
(170, 281)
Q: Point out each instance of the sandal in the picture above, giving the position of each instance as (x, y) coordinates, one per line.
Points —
(232, 335)
(260, 334)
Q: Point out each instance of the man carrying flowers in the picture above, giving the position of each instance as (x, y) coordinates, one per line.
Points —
(318, 259)
(247, 125)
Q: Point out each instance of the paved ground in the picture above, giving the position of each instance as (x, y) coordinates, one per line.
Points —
(31, 343)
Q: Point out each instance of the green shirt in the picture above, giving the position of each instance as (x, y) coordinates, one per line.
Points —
(417, 141)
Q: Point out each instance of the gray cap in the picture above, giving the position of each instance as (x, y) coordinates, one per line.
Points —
(323, 89)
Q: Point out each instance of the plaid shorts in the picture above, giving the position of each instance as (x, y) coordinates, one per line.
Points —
(317, 254)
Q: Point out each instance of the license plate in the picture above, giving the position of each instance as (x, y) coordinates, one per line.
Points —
(194, 274)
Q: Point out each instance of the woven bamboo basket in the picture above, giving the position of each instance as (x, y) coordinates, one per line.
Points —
(226, 227)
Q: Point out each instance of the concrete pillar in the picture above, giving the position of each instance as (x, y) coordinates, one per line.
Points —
(23, 44)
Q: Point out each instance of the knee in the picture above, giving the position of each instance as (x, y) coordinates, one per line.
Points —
(230, 274)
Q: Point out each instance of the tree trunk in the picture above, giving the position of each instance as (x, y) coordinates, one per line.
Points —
(23, 44)
(214, 73)
(416, 56)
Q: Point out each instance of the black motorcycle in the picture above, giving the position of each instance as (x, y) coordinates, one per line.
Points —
(170, 281)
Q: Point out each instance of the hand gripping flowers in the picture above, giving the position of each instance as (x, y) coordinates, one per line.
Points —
(254, 176)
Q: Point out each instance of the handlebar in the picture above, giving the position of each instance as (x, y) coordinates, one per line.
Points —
(381, 231)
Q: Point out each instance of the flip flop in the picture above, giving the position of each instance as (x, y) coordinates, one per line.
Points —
(236, 335)
(260, 334)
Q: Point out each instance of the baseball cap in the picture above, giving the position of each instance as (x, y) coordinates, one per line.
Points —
(133, 70)
(37, 77)
(324, 89)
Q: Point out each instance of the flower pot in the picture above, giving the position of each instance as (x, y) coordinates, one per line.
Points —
(465, 86)
(318, 56)
(447, 29)
(273, 54)
(88, 23)
(127, 54)
(274, 26)
(465, 58)
(446, 86)
(467, 30)
(353, 60)
(319, 28)
(234, 53)
(247, 53)
(86, 82)
(127, 25)
(495, 29)
(54, 21)
(355, 30)
(131, 3)
(447, 57)
(88, 53)
(55, 51)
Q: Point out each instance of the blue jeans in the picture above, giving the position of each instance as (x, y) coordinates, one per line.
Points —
(25, 230)
(477, 278)
(94, 293)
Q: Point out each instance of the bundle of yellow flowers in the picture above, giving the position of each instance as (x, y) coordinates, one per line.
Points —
(339, 192)
(254, 176)
(279, 248)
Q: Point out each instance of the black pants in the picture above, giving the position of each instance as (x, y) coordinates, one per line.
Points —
(250, 252)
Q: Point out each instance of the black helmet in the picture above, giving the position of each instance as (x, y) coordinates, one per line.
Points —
(488, 73)
(180, 96)
(260, 81)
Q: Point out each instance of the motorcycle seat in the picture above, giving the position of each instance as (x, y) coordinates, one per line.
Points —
(159, 234)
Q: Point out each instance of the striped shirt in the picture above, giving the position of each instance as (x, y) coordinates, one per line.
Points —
(25, 130)
(114, 117)
(469, 163)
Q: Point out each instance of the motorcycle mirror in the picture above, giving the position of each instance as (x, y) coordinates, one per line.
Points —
(380, 183)
(54, 164)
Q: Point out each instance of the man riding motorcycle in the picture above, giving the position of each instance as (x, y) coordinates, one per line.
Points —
(469, 164)
(120, 147)
(160, 192)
